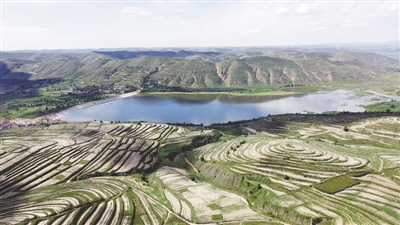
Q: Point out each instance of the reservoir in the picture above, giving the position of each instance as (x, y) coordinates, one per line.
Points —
(217, 108)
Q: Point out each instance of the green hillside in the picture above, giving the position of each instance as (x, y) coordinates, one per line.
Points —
(301, 68)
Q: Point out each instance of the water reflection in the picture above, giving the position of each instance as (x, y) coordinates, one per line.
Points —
(216, 108)
(206, 98)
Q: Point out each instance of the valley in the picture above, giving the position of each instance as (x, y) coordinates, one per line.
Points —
(212, 136)
(35, 83)
(202, 112)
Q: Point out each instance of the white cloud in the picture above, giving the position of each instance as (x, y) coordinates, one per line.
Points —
(196, 23)
(345, 11)
(387, 9)
(281, 10)
(354, 23)
(318, 28)
(179, 23)
(23, 29)
(135, 12)
(304, 8)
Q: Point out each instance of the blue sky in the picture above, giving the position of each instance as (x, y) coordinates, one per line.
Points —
(119, 24)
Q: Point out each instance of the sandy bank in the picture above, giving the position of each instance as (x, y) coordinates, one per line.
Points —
(66, 112)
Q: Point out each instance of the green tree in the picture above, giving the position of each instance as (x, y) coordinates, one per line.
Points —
(143, 177)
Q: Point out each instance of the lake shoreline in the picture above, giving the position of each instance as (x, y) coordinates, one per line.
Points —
(216, 108)
(57, 116)
(272, 93)
(63, 113)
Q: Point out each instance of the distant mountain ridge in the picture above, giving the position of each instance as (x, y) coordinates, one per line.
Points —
(199, 69)
(136, 54)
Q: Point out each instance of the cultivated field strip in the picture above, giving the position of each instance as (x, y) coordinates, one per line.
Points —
(349, 207)
(105, 200)
(296, 160)
(94, 148)
(203, 199)
(84, 193)
(40, 174)
(302, 165)
(89, 173)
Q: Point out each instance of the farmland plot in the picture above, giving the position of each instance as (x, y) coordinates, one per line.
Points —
(38, 160)
(300, 163)
(41, 169)
(106, 200)
(205, 199)
(326, 179)
(89, 173)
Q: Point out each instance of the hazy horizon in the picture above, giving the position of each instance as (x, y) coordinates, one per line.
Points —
(63, 25)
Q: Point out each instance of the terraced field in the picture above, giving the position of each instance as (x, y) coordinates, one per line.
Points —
(122, 173)
(63, 152)
(319, 179)
(201, 201)
(41, 169)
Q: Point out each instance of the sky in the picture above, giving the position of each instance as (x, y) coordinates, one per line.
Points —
(34, 25)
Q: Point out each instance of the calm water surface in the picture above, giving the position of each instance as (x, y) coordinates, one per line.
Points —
(216, 108)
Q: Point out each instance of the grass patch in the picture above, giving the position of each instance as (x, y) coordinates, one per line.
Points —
(217, 217)
(67, 163)
(359, 173)
(256, 90)
(236, 131)
(309, 112)
(173, 220)
(383, 107)
(363, 94)
(183, 190)
(392, 171)
(289, 146)
(227, 132)
(214, 206)
(84, 162)
(91, 133)
(60, 177)
(165, 150)
(360, 142)
(20, 177)
(331, 112)
(259, 223)
(336, 184)
(301, 89)
(389, 211)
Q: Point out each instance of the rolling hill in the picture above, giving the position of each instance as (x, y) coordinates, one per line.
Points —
(199, 69)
